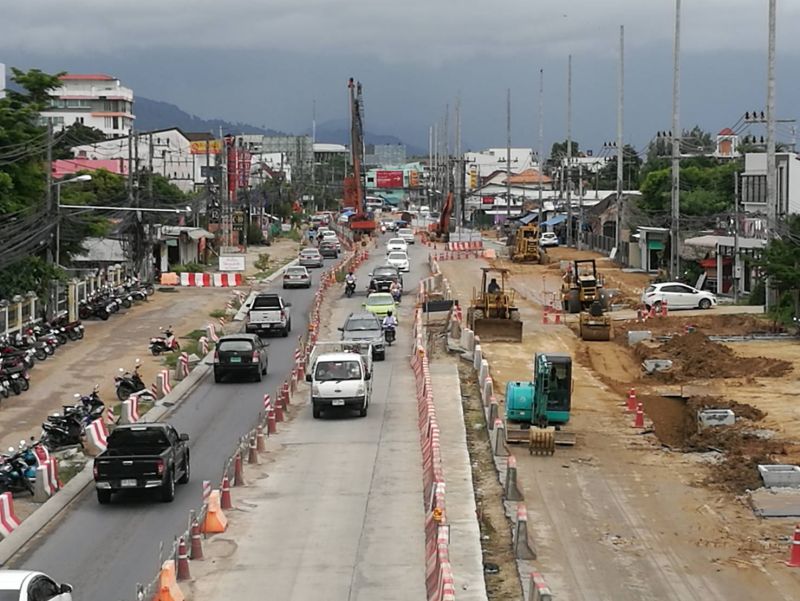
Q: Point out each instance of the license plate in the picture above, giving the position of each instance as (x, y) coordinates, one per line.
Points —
(337, 402)
(128, 484)
(236, 360)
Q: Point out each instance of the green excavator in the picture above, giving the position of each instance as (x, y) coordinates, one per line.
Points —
(537, 411)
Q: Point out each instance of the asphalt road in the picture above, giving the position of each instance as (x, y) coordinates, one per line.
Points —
(105, 551)
(337, 512)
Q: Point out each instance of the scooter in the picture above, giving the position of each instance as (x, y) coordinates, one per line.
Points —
(128, 382)
(164, 344)
(15, 473)
(349, 288)
(397, 295)
(389, 334)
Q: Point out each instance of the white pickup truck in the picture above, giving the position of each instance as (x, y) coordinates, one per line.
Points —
(268, 313)
(340, 374)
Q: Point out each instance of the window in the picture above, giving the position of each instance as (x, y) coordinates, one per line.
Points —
(240, 346)
(116, 123)
(754, 188)
(338, 370)
(79, 120)
(43, 589)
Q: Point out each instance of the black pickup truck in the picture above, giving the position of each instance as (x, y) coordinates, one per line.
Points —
(142, 456)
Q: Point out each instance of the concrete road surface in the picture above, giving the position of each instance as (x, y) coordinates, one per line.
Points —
(339, 515)
(105, 551)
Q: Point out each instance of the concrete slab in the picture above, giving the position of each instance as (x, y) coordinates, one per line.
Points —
(776, 502)
(465, 544)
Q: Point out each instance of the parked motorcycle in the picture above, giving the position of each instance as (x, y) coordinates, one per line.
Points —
(164, 344)
(16, 475)
(67, 429)
(128, 382)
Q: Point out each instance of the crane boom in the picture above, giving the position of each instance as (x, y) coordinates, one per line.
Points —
(354, 199)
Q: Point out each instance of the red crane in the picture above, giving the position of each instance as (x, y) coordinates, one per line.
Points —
(354, 198)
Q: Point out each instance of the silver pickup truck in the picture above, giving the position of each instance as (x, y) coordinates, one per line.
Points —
(269, 313)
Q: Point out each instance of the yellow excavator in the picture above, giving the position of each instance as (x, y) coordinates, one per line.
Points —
(526, 247)
(492, 314)
(595, 323)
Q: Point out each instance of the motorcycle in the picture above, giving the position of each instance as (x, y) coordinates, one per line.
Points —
(349, 288)
(16, 475)
(389, 334)
(128, 382)
(164, 344)
(67, 429)
(397, 295)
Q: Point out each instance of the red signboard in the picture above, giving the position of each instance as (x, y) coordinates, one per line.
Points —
(388, 179)
(487, 200)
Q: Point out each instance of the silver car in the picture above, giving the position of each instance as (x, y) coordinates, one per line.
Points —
(296, 277)
(310, 257)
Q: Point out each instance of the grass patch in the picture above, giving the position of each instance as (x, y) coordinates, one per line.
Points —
(195, 334)
(217, 313)
(68, 470)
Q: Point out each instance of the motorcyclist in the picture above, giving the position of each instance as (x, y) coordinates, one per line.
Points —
(396, 291)
(390, 321)
(350, 278)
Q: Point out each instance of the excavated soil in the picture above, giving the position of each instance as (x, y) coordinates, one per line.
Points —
(742, 446)
(712, 325)
(695, 356)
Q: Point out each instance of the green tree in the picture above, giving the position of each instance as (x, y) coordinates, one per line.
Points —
(559, 150)
(631, 165)
(781, 261)
(707, 187)
(76, 134)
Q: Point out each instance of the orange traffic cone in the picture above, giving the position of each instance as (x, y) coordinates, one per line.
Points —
(794, 554)
(638, 420)
(238, 472)
(183, 562)
(225, 499)
(632, 402)
(196, 549)
(215, 520)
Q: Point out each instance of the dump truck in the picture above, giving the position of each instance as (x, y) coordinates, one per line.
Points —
(492, 314)
(580, 286)
(537, 411)
(595, 324)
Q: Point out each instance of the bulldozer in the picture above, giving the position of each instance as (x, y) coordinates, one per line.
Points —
(595, 324)
(537, 411)
(526, 247)
(492, 314)
(580, 287)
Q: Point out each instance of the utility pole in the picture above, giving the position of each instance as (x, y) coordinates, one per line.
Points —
(569, 151)
(736, 267)
(541, 146)
(430, 166)
(52, 211)
(150, 169)
(580, 206)
(508, 155)
(446, 147)
(675, 256)
(313, 159)
(620, 143)
(773, 214)
(459, 177)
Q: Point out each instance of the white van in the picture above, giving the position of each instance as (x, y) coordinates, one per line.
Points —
(340, 379)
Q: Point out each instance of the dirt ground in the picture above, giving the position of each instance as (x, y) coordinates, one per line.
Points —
(666, 524)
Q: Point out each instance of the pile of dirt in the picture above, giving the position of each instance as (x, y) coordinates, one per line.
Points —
(695, 356)
(712, 325)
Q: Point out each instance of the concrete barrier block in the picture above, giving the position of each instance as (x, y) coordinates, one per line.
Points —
(483, 372)
(41, 486)
(492, 416)
(477, 356)
(780, 476)
(498, 439)
(715, 417)
(637, 336)
(511, 488)
(523, 549)
(538, 589)
(488, 390)
(470, 341)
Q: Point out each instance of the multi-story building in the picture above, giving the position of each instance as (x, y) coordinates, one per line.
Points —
(2, 81)
(480, 165)
(97, 100)
(385, 155)
(754, 190)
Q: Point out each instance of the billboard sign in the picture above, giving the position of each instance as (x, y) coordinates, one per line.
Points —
(205, 146)
(388, 179)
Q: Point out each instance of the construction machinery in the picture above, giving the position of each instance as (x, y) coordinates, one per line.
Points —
(537, 411)
(441, 229)
(580, 286)
(492, 314)
(595, 324)
(360, 222)
(526, 247)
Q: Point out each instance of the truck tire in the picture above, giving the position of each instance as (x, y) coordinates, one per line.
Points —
(104, 496)
(258, 375)
(285, 331)
(168, 489)
(185, 478)
(316, 412)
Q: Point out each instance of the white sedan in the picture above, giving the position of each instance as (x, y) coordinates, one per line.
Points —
(397, 244)
(548, 239)
(399, 259)
(677, 296)
(23, 585)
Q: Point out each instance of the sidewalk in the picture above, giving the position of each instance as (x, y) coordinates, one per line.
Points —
(466, 556)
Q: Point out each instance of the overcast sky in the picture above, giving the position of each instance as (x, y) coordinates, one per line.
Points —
(264, 61)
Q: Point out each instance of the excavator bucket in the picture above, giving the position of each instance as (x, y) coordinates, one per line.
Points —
(565, 439)
(595, 328)
(542, 441)
(498, 330)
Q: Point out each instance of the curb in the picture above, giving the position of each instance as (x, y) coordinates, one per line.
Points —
(240, 314)
(40, 518)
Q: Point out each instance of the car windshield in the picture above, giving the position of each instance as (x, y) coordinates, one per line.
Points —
(266, 302)
(362, 325)
(384, 272)
(235, 345)
(380, 300)
(398, 256)
(337, 370)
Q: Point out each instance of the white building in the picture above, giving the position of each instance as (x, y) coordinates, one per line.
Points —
(96, 100)
(172, 157)
(484, 163)
(754, 189)
(2, 81)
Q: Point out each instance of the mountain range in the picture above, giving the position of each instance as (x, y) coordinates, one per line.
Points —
(154, 115)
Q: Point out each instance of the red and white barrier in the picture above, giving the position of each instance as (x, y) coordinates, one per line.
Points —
(129, 410)
(164, 385)
(97, 433)
(211, 280)
(55, 481)
(206, 491)
(8, 519)
(110, 419)
(183, 365)
(203, 342)
(212, 332)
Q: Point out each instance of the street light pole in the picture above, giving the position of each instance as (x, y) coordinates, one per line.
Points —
(675, 257)
(80, 178)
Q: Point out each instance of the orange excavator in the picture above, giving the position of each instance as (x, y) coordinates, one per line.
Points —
(360, 222)
(441, 229)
